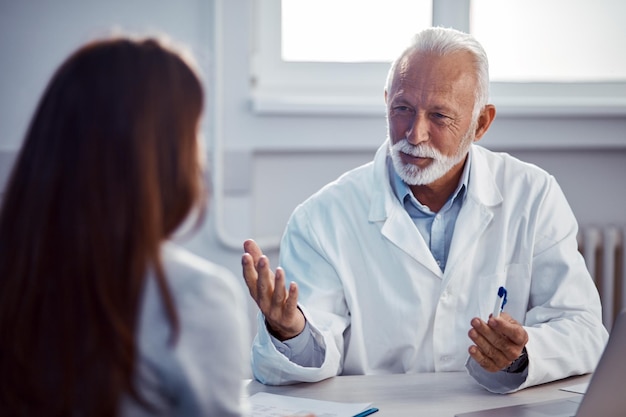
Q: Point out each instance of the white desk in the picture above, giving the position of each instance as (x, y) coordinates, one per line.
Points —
(428, 395)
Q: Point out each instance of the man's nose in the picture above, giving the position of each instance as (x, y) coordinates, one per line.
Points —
(418, 132)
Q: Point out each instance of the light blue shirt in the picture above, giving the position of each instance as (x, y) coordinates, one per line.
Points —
(435, 228)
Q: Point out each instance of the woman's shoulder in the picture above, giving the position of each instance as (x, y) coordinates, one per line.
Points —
(189, 274)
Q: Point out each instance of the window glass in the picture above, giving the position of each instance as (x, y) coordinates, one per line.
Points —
(558, 57)
(350, 30)
(552, 40)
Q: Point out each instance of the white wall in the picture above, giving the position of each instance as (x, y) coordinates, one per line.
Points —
(273, 162)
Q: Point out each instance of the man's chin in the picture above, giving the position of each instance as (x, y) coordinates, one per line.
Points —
(415, 176)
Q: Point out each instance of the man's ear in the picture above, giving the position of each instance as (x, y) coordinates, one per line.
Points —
(486, 116)
(385, 96)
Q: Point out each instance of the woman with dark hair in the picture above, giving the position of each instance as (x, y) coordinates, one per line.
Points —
(100, 313)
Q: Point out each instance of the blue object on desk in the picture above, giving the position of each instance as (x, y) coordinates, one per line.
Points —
(367, 412)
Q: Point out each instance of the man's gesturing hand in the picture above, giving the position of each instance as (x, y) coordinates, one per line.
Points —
(280, 308)
(498, 342)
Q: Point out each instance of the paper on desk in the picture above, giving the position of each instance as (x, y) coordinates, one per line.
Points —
(264, 404)
(578, 388)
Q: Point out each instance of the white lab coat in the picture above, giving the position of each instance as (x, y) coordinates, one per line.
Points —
(377, 300)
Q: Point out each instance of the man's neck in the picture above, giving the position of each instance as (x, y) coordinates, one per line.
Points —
(435, 194)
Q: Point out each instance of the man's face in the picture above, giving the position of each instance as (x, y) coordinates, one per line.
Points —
(429, 115)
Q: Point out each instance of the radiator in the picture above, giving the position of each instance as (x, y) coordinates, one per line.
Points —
(604, 250)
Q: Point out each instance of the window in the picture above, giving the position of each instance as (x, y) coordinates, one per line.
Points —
(546, 56)
(568, 40)
(353, 32)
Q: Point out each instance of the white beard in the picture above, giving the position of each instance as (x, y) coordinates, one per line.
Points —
(441, 164)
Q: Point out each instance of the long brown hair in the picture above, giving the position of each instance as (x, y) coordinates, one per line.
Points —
(109, 169)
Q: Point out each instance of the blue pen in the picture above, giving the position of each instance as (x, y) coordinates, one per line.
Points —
(500, 302)
(367, 412)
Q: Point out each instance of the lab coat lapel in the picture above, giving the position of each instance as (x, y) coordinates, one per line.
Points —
(402, 232)
(397, 225)
(477, 211)
(470, 225)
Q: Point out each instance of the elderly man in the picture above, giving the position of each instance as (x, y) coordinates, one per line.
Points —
(397, 264)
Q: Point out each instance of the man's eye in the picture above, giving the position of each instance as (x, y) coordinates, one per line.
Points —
(439, 116)
(401, 108)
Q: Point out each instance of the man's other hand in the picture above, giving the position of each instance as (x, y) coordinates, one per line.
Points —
(498, 342)
(279, 306)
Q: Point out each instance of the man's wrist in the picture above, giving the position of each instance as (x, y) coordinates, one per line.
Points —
(282, 335)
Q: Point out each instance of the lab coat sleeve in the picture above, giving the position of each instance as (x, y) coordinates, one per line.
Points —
(564, 323)
(321, 301)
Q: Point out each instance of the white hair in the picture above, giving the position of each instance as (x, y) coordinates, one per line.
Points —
(443, 41)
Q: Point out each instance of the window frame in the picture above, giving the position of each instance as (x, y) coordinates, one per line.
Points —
(356, 89)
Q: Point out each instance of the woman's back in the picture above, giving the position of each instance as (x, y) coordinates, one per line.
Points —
(89, 291)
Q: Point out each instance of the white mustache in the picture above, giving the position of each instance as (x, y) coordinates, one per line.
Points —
(420, 151)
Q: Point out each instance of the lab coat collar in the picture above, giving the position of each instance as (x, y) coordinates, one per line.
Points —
(476, 214)
(383, 198)
(482, 185)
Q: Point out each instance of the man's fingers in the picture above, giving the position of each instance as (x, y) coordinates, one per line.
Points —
(488, 349)
(249, 274)
(277, 312)
(509, 336)
(498, 348)
(511, 329)
(291, 306)
(487, 334)
(492, 331)
(280, 292)
(284, 301)
(265, 285)
(249, 263)
(484, 361)
(284, 317)
(250, 246)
